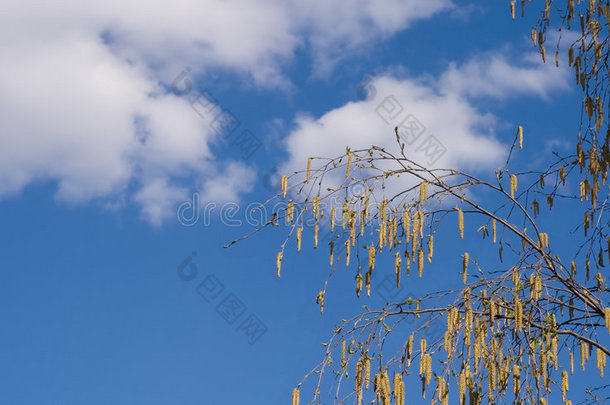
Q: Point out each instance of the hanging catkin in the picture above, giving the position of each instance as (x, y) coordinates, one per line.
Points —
(465, 267)
(372, 252)
(423, 192)
(284, 185)
(347, 253)
(513, 186)
(295, 396)
(349, 165)
(461, 223)
(406, 225)
(397, 270)
(520, 130)
(299, 236)
(308, 170)
(278, 263)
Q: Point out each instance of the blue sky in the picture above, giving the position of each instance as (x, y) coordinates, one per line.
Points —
(98, 151)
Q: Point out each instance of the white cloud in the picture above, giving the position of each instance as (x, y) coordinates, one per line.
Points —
(82, 102)
(228, 183)
(493, 76)
(158, 199)
(464, 135)
(337, 27)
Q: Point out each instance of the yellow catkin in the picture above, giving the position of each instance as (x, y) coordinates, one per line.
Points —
(316, 206)
(420, 261)
(465, 267)
(307, 176)
(289, 212)
(372, 252)
(295, 396)
(397, 383)
(430, 248)
(347, 253)
(415, 225)
(278, 263)
(421, 223)
(367, 373)
(571, 363)
(554, 344)
(584, 355)
(461, 223)
(607, 318)
(542, 359)
(535, 37)
(543, 240)
(423, 192)
(382, 236)
(320, 300)
(386, 389)
(343, 362)
(316, 229)
(358, 382)
(406, 224)
(513, 185)
(349, 165)
(462, 387)
(284, 185)
(493, 227)
(397, 264)
(332, 218)
(520, 130)
(601, 361)
(352, 227)
(299, 235)
(428, 369)
(401, 390)
(516, 379)
(512, 9)
(442, 390)
(518, 314)
(377, 387)
(564, 385)
(409, 350)
(447, 342)
(362, 223)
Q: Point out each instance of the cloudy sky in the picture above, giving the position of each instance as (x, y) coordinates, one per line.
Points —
(116, 116)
